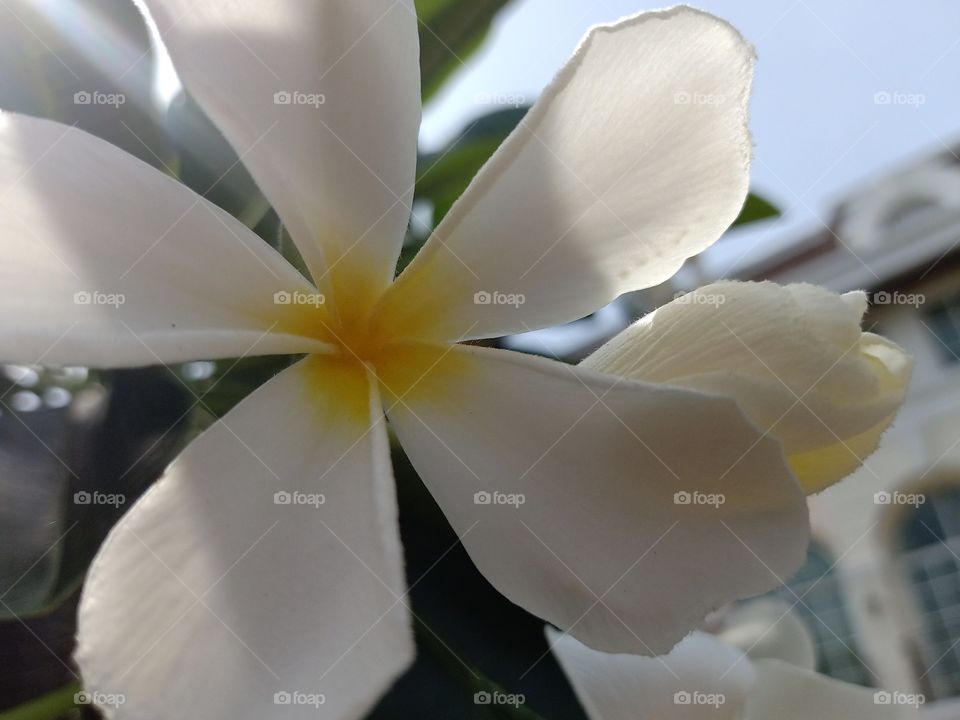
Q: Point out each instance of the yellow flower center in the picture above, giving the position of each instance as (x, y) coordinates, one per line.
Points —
(345, 330)
(359, 343)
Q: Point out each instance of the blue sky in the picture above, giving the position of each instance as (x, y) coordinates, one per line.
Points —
(817, 129)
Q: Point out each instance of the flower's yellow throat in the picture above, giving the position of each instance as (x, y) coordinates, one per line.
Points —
(359, 346)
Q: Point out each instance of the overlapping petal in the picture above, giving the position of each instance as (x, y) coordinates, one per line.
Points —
(787, 692)
(628, 687)
(794, 357)
(620, 511)
(635, 158)
(767, 628)
(262, 576)
(703, 678)
(321, 100)
(107, 262)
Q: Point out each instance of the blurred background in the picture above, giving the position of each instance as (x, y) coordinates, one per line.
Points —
(856, 185)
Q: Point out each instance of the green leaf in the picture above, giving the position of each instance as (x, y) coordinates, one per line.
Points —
(444, 175)
(755, 209)
(450, 31)
(49, 707)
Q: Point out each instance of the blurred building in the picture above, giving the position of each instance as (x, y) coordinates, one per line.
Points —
(881, 591)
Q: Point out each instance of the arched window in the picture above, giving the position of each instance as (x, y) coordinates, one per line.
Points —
(930, 543)
(817, 598)
(944, 320)
(910, 211)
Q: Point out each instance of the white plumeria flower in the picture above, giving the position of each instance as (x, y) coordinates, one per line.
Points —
(264, 572)
(761, 667)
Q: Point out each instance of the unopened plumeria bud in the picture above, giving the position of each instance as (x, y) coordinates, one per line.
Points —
(794, 357)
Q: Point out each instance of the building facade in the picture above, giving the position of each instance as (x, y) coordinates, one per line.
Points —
(881, 592)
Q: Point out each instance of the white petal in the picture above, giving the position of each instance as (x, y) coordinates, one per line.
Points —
(786, 692)
(209, 597)
(107, 262)
(599, 545)
(793, 356)
(703, 668)
(634, 159)
(628, 687)
(338, 160)
(768, 628)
